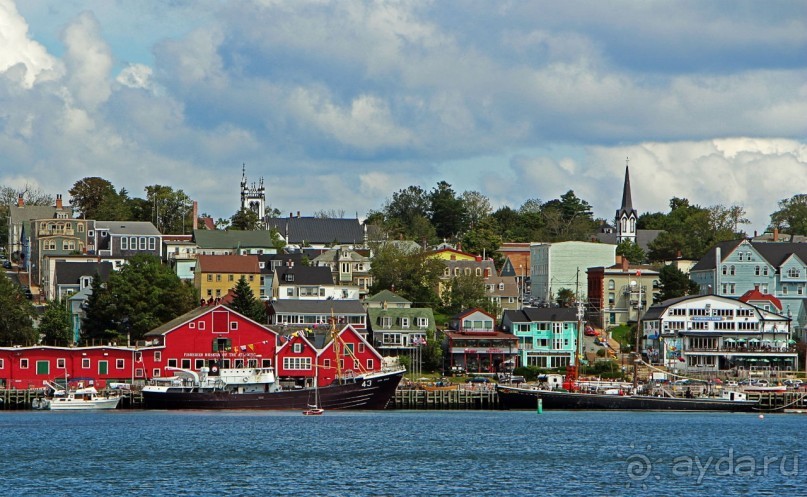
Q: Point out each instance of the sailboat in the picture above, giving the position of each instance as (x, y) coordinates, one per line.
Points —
(315, 409)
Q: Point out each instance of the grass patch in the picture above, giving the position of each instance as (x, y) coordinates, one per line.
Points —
(620, 334)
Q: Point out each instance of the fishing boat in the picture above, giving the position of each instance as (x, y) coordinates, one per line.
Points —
(527, 398)
(75, 399)
(315, 409)
(258, 388)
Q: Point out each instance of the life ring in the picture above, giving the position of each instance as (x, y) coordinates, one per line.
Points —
(214, 369)
(246, 379)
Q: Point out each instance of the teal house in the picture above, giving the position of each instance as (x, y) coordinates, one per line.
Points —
(547, 337)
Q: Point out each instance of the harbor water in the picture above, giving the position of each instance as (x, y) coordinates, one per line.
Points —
(401, 453)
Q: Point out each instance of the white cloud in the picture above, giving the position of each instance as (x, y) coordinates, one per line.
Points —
(88, 61)
(136, 76)
(21, 51)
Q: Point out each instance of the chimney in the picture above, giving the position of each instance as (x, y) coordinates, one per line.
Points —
(755, 233)
(756, 287)
(195, 214)
(678, 255)
(776, 234)
(298, 214)
(618, 259)
(291, 215)
(20, 201)
(625, 263)
(59, 201)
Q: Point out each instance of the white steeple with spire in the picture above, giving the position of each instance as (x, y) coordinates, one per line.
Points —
(253, 197)
(626, 215)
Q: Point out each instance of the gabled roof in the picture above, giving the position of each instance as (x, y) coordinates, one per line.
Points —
(774, 253)
(178, 321)
(300, 230)
(304, 275)
(288, 306)
(31, 212)
(70, 273)
(247, 264)
(542, 314)
(756, 296)
(335, 254)
(128, 228)
(387, 296)
(375, 313)
(232, 239)
(643, 237)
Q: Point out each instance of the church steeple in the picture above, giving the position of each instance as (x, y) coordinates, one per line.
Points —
(626, 215)
(253, 197)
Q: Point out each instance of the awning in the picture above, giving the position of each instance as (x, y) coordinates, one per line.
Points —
(729, 340)
(753, 340)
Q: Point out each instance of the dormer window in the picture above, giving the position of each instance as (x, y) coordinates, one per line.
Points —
(289, 277)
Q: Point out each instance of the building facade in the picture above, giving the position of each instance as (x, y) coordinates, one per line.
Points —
(555, 266)
(620, 293)
(547, 337)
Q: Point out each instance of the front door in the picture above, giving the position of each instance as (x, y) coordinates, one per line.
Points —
(103, 367)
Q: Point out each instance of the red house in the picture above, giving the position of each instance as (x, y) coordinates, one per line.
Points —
(355, 355)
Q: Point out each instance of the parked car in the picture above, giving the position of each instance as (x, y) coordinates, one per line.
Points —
(478, 379)
(27, 291)
(7, 264)
(591, 332)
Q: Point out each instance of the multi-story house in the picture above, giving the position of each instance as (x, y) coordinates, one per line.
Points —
(620, 293)
(556, 266)
(309, 283)
(398, 328)
(289, 315)
(473, 344)
(180, 253)
(732, 268)
(517, 263)
(72, 277)
(710, 333)
(19, 219)
(234, 242)
(120, 240)
(547, 337)
(268, 263)
(215, 275)
(348, 267)
(503, 292)
(53, 238)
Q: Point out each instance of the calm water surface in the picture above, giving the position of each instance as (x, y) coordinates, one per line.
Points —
(401, 453)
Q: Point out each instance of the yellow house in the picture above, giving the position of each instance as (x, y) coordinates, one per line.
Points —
(215, 275)
(449, 254)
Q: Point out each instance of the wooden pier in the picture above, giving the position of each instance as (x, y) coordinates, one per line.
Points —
(18, 399)
(444, 399)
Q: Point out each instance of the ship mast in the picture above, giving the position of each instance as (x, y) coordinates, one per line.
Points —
(335, 338)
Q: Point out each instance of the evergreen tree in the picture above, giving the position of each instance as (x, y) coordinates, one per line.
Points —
(246, 220)
(466, 292)
(244, 302)
(97, 322)
(413, 276)
(447, 211)
(631, 251)
(55, 324)
(674, 283)
(16, 315)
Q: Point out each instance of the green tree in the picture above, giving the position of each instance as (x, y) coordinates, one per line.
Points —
(16, 315)
(171, 210)
(88, 194)
(244, 302)
(565, 297)
(8, 197)
(792, 215)
(674, 283)
(115, 206)
(414, 276)
(631, 251)
(447, 211)
(465, 292)
(97, 322)
(476, 207)
(245, 219)
(690, 230)
(483, 239)
(55, 324)
(141, 296)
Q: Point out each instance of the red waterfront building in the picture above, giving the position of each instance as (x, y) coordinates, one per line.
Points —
(202, 337)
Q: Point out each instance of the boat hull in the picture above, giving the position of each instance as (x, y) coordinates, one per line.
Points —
(82, 405)
(370, 392)
(522, 398)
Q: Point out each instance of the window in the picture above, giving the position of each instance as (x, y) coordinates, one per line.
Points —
(456, 271)
(120, 364)
(370, 364)
(124, 243)
(793, 272)
(85, 363)
(725, 270)
(186, 363)
(297, 363)
(23, 363)
(290, 292)
(230, 277)
(297, 348)
(361, 348)
(731, 270)
(611, 284)
(209, 277)
(423, 322)
(60, 363)
(172, 363)
(756, 271)
(404, 322)
(2, 364)
(80, 228)
(158, 356)
(784, 289)
(198, 364)
(155, 373)
(133, 243)
(447, 272)
(218, 277)
(386, 322)
(348, 349)
(233, 325)
(266, 363)
(142, 243)
(152, 243)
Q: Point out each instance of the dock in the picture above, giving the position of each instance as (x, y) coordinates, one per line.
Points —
(445, 399)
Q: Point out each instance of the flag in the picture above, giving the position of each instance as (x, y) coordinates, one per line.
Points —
(251, 347)
(243, 347)
(638, 272)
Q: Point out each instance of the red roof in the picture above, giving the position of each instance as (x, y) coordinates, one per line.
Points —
(756, 296)
(244, 264)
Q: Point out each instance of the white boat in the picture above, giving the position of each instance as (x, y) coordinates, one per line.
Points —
(77, 399)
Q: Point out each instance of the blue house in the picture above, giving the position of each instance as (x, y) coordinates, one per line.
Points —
(547, 336)
(732, 268)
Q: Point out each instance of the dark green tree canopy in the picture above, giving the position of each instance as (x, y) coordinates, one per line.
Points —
(674, 283)
(244, 302)
(16, 315)
(412, 276)
(792, 215)
(141, 296)
(55, 324)
(88, 194)
(245, 219)
(631, 251)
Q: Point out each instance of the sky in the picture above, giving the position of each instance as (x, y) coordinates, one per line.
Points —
(337, 105)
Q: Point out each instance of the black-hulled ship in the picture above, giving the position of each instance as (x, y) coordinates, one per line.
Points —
(525, 398)
(257, 388)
